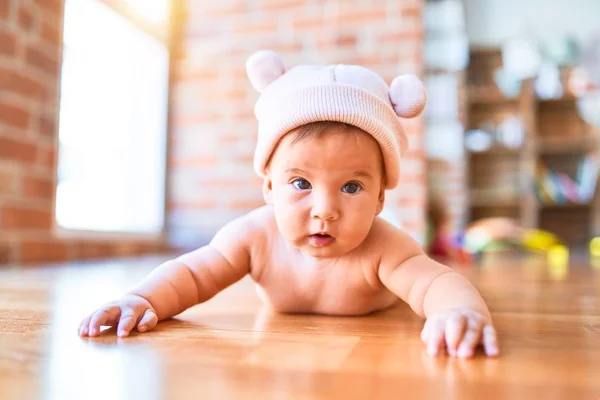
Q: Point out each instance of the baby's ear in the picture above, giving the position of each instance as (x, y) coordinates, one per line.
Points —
(408, 96)
(263, 67)
(267, 189)
(380, 201)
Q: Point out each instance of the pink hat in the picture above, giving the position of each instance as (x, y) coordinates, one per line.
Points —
(343, 93)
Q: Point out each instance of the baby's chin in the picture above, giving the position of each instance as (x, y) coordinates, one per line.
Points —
(335, 249)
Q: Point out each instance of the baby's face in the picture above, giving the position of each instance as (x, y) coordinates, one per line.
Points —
(326, 190)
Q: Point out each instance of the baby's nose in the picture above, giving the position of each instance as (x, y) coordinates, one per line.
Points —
(324, 207)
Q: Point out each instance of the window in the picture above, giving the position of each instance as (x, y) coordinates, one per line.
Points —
(113, 119)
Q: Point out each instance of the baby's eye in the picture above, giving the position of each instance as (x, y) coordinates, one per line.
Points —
(352, 187)
(301, 184)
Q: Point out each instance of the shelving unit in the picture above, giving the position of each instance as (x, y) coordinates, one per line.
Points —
(505, 181)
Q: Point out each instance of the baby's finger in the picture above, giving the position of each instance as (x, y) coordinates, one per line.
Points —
(436, 337)
(105, 316)
(425, 331)
(470, 340)
(84, 326)
(148, 321)
(490, 342)
(455, 328)
(127, 322)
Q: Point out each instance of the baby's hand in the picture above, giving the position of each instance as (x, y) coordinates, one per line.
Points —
(460, 331)
(125, 313)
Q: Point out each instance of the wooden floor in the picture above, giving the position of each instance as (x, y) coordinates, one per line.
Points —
(548, 321)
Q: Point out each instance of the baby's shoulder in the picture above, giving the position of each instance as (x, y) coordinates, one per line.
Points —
(250, 226)
(240, 237)
(261, 220)
(394, 244)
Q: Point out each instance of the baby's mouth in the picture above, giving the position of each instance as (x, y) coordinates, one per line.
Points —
(321, 239)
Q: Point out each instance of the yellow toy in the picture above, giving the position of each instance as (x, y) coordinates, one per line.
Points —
(595, 247)
(558, 261)
(539, 240)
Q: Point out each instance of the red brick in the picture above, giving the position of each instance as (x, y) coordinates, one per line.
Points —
(9, 182)
(19, 83)
(6, 251)
(96, 249)
(41, 251)
(226, 95)
(245, 204)
(25, 17)
(16, 216)
(46, 157)
(338, 41)
(15, 150)
(225, 10)
(274, 5)
(205, 161)
(47, 125)
(39, 59)
(308, 22)
(198, 205)
(50, 33)
(14, 116)
(229, 138)
(55, 6)
(402, 35)
(267, 26)
(224, 183)
(414, 11)
(247, 159)
(195, 118)
(242, 113)
(8, 43)
(198, 74)
(4, 10)
(36, 187)
(359, 15)
(372, 60)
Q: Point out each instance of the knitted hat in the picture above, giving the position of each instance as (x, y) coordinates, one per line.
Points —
(344, 93)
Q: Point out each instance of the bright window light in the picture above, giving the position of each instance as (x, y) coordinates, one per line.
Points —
(154, 10)
(112, 129)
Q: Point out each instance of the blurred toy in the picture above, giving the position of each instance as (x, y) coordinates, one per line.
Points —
(441, 242)
(595, 247)
(558, 255)
(487, 233)
(539, 240)
(558, 261)
(493, 234)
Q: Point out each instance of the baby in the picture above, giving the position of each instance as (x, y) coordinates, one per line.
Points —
(329, 145)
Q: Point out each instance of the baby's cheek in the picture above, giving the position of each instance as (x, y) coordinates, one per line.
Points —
(288, 219)
(358, 226)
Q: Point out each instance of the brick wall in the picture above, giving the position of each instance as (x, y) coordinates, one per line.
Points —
(213, 127)
(30, 52)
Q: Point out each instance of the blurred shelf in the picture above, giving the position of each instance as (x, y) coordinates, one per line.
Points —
(489, 95)
(569, 206)
(504, 203)
(567, 99)
(496, 151)
(565, 145)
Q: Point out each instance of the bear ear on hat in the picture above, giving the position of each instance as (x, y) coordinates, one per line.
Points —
(408, 96)
(263, 67)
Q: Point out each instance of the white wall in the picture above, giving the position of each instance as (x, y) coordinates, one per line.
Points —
(490, 22)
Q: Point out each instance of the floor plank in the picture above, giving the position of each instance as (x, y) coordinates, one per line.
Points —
(548, 320)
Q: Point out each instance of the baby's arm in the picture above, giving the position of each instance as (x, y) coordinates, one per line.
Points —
(180, 283)
(455, 311)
